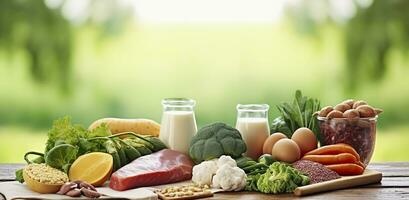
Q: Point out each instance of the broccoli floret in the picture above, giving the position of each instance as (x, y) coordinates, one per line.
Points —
(281, 178)
(215, 140)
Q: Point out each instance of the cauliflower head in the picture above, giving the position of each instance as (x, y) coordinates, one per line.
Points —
(229, 178)
(226, 160)
(203, 172)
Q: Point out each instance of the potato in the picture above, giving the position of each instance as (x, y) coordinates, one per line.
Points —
(139, 126)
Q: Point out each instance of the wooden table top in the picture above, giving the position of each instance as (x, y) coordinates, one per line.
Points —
(394, 185)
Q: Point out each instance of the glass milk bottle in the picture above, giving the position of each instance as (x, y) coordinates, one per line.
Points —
(252, 122)
(178, 123)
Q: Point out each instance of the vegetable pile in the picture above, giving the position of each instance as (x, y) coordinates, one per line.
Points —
(110, 149)
(66, 142)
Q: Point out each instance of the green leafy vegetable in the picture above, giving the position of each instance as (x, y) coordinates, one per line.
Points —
(19, 176)
(297, 114)
(64, 132)
(281, 178)
(61, 156)
(66, 142)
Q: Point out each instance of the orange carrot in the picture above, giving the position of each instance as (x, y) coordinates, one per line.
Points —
(346, 169)
(332, 159)
(361, 164)
(334, 149)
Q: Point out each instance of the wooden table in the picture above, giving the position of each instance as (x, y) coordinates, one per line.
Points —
(394, 185)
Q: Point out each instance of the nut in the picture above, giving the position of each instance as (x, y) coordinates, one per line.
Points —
(87, 185)
(76, 188)
(350, 102)
(335, 114)
(67, 187)
(342, 107)
(378, 111)
(359, 103)
(325, 110)
(366, 111)
(90, 193)
(74, 193)
(351, 114)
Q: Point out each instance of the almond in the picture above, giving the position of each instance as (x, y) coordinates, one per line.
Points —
(359, 103)
(335, 114)
(378, 111)
(351, 114)
(325, 110)
(366, 111)
(350, 102)
(342, 107)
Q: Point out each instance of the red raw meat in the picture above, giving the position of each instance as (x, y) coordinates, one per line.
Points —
(165, 166)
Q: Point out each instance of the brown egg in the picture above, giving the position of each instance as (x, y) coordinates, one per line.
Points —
(305, 139)
(286, 150)
(270, 141)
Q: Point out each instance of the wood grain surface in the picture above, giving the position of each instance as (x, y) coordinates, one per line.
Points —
(394, 185)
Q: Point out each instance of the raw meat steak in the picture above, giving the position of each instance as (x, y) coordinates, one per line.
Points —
(165, 166)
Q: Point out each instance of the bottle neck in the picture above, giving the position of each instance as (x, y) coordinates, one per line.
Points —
(178, 104)
(177, 108)
(252, 114)
(252, 110)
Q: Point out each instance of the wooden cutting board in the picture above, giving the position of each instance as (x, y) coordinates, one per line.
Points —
(368, 177)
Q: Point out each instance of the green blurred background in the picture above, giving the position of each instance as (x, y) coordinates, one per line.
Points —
(92, 59)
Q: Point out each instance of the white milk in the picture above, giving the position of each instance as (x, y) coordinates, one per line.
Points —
(177, 129)
(254, 132)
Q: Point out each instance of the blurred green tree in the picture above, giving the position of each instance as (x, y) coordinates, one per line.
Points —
(43, 33)
(47, 36)
(371, 30)
(371, 35)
